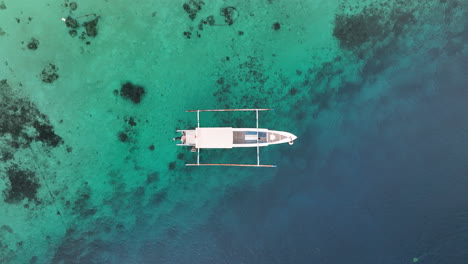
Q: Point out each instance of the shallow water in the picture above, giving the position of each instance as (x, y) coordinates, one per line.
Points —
(91, 98)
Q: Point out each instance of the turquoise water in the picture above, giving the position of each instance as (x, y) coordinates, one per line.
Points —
(92, 93)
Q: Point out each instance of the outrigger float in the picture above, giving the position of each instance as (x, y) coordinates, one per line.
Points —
(228, 137)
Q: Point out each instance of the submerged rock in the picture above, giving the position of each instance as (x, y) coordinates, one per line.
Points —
(73, 6)
(46, 134)
(73, 33)
(71, 22)
(193, 7)
(354, 30)
(123, 137)
(91, 27)
(131, 121)
(49, 74)
(6, 156)
(210, 20)
(276, 26)
(230, 14)
(33, 44)
(132, 92)
(22, 123)
(23, 185)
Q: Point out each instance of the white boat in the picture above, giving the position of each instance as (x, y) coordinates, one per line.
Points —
(228, 137)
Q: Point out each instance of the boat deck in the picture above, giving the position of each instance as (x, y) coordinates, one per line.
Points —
(274, 137)
(249, 137)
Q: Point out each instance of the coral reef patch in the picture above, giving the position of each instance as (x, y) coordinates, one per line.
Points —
(91, 27)
(23, 184)
(229, 14)
(132, 92)
(33, 44)
(192, 7)
(87, 29)
(50, 73)
(372, 24)
(22, 122)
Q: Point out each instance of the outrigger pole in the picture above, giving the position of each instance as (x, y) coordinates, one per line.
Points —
(228, 164)
(196, 138)
(230, 110)
(232, 165)
(258, 147)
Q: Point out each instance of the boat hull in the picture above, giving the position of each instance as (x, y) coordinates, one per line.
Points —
(228, 137)
(266, 137)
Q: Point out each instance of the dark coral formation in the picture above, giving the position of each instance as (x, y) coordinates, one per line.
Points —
(230, 14)
(210, 20)
(23, 185)
(131, 121)
(132, 92)
(91, 27)
(88, 29)
(372, 25)
(73, 6)
(71, 22)
(33, 44)
(187, 34)
(7, 254)
(6, 156)
(250, 73)
(50, 73)
(152, 178)
(82, 205)
(73, 33)
(181, 156)
(276, 26)
(159, 197)
(172, 165)
(129, 131)
(192, 7)
(46, 134)
(79, 247)
(373, 35)
(354, 30)
(22, 123)
(293, 91)
(123, 137)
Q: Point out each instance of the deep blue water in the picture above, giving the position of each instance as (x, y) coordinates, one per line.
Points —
(397, 194)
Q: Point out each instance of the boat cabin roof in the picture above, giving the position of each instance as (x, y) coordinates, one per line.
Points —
(214, 137)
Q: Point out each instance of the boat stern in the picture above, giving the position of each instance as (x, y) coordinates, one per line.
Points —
(187, 138)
